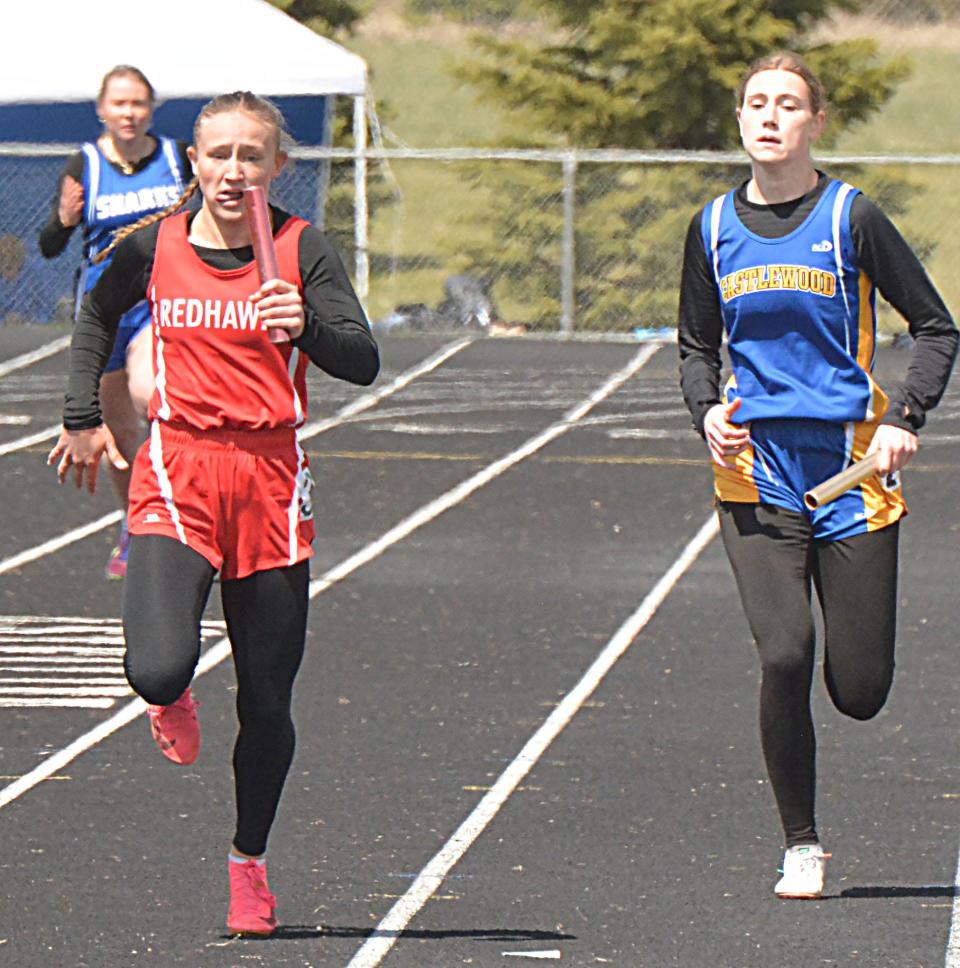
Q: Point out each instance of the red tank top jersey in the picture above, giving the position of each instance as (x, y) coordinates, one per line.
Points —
(215, 367)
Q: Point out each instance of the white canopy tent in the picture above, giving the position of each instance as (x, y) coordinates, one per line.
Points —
(57, 51)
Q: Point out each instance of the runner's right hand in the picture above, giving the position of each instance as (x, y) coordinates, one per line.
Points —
(82, 450)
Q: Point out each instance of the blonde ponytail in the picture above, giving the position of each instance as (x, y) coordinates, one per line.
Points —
(142, 223)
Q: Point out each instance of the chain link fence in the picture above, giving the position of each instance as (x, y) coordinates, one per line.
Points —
(573, 243)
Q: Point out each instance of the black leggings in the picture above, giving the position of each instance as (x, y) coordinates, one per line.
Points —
(164, 594)
(774, 557)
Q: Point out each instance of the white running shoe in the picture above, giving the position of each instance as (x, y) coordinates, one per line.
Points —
(804, 868)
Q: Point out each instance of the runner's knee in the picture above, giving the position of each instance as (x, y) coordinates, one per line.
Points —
(863, 697)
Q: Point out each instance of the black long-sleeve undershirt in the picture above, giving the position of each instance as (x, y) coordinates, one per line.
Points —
(882, 254)
(55, 236)
(336, 335)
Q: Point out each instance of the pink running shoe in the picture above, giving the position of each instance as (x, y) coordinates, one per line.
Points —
(252, 907)
(116, 568)
(176, 729)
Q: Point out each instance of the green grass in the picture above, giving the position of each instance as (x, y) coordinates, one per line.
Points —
(419, 99)
(921, 116)
(437, 214)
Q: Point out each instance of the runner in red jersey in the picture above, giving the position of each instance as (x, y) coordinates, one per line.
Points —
(222, 483)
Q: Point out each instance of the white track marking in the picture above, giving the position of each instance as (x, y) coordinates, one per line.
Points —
(55, 544)
(19, 362)
(60, 702)
(14, 420)
(554, 954)
(369, 400)
(439, 430)
(308, 430)
(22, 443)
(389, 930)
(27, 692)
(952, 959)
(219, 651)
(463, 490)
(46, 662)
(642, 433)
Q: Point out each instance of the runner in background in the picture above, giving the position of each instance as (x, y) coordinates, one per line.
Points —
(222, 482)
(788, 264)
(126, 173)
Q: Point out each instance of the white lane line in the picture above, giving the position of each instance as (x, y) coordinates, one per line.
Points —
(553, 954)
(14, 420)
(27, 637)
(642, 433)
(25, 359)
(29, 691)
(22, 443)
(218, 652)
(308, 430)
(463, 490)
(55, 544)
(389, 930)
(116, 679)
(59, 702)
(75, 654)
(372, 399)
(952, 959)
(17, 664)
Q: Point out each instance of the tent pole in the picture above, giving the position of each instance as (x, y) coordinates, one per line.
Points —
(360, 195)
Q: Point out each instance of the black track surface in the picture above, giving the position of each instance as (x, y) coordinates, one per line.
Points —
(645, 837)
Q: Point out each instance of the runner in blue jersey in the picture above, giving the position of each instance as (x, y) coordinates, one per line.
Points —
(127, 173)
(788, 266)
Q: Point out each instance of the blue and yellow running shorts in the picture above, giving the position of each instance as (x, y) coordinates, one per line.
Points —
(786, 458)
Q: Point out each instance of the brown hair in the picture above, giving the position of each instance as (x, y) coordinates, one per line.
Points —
(260, 107)
(125, 70)
(786, 60)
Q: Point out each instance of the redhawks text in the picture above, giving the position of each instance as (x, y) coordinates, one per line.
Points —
(206, 313)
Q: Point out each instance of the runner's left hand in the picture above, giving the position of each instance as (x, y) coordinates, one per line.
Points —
(893, 447)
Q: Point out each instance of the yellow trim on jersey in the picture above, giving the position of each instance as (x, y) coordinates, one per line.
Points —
(865, 324)
(736, 485)
(882, 505)
(865, 349)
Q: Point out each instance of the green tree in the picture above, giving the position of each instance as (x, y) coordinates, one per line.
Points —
(662, 73)
(323, 16)
(644, 74)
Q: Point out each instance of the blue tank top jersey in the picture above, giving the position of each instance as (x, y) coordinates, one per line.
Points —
(801, 331)
(798, 312)
(114, 200)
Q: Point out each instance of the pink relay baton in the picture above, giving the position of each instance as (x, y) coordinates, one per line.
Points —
(261, 233)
